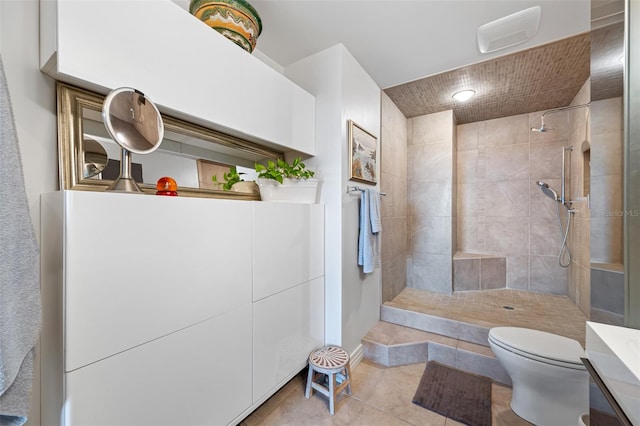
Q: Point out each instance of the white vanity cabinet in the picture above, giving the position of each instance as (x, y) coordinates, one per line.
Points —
(288, 291)
(613, 360)
(149, 314)
(188, 69)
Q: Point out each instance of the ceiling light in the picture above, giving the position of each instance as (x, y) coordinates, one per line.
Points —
(463, 95)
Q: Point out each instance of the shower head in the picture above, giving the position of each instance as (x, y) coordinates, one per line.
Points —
(542, 129)
(548, 191)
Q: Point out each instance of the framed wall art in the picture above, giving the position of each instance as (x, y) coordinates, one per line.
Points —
(363, 155)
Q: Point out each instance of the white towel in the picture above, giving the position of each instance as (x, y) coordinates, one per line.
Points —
(374, 211)
(368, 245)
(20, 309)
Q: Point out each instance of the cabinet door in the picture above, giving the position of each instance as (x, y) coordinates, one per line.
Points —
(288, 246)
(268, 102)
(187, 68)
(154, 46)
(198, 376)
(286, 328)
(304, 121)
(138, 267)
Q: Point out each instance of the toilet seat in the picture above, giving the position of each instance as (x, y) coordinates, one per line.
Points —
(540, 346)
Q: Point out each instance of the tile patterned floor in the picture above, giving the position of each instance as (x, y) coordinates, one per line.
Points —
(545, 312)
(380, 396)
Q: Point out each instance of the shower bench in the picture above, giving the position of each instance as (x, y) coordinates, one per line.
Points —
(479, 271)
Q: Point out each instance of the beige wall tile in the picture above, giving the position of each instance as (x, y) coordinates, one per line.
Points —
(467, 166)
(432, 128)
(512, 130)
(395, 240)
(431, 198)
(467, 234)
(507, 235)
(467, 136)
(493, 273)
(394, 203)
(466, 274)
(467, 196)
(572, 282)
(509, 198)
(432, 161)
(507, 162)
(584, 291)
(395, 135)
(606, 116)
(518, 272)
(546, 159)
(606, 196)
(433, 272)
(546, 275)
(394, 277)
(546, 237)
(433, 237)
(607, 153)
(606, 239)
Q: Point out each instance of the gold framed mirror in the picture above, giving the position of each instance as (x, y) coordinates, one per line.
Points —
(183, 150)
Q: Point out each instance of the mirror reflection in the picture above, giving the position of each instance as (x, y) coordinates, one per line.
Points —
(603, 163)
(95, 158)
(189, 153)
(134, 122)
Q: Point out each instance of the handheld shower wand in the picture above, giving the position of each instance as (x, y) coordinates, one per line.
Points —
(546, 190)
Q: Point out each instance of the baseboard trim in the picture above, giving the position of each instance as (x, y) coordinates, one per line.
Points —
(357, 355)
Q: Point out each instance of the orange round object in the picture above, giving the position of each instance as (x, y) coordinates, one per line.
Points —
(166, 186)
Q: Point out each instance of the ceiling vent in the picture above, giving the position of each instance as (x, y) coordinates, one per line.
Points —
(509, 31)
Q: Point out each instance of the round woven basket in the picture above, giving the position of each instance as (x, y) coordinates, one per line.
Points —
(235, 19)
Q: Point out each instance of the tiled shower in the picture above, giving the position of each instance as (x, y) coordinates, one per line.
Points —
(394, 210)
(471, 188)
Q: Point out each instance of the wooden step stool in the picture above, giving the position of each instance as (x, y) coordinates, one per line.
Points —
(330, 362)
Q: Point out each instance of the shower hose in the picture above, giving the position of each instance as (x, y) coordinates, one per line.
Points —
(564, 248)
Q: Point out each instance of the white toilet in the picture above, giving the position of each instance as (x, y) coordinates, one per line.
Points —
(550, 383)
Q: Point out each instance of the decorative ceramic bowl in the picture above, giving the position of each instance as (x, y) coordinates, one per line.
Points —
(235, 19)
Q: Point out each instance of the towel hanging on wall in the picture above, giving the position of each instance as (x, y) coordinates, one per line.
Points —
(370, 228)
(20, 306)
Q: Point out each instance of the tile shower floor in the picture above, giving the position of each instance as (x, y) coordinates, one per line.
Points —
(380, 396)
(491, 308)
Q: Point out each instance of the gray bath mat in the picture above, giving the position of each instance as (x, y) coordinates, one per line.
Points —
(461, 396)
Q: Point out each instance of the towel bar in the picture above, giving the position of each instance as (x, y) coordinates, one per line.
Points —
(355, 188)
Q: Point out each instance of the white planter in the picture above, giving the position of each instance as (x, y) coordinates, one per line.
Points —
(290, 191)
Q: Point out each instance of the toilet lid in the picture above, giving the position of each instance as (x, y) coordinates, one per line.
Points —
(539, 345)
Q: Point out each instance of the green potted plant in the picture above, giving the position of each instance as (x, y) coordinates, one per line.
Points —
(233, 182)
(281, 181)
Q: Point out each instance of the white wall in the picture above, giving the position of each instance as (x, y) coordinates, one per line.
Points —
(343, 91)
(319, 74)
(34, 108)
(362, 293)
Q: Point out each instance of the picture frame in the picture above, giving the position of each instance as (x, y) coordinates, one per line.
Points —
(363, 154)
(207, 169)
